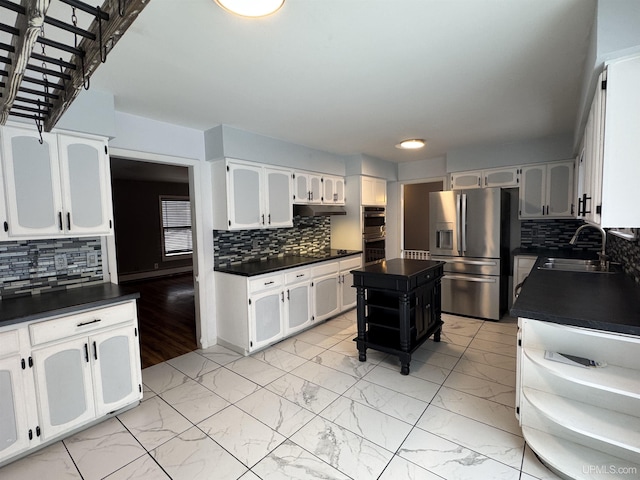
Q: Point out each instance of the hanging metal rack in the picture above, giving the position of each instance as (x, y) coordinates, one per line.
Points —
(42, 85)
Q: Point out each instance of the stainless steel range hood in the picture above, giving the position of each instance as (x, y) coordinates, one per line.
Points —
(318, 210)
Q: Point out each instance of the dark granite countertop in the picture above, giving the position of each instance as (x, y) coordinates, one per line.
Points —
(36, 307)
(609, 302)
(275, 264)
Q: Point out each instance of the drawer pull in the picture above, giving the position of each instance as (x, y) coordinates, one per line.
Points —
(300, 275)
(82, 324)
(268, 283)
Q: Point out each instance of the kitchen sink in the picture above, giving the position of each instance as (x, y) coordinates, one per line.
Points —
(575, 265)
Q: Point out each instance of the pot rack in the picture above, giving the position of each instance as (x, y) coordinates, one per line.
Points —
(41, 85)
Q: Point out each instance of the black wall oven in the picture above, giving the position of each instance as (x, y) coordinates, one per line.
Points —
(373, 234)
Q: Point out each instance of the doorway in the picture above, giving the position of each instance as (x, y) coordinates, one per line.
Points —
(415, 215)
(153, 236)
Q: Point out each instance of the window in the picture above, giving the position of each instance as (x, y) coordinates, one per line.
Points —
(176, 227)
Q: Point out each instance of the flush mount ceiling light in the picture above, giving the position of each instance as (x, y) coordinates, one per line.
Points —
(251, 8)
(411, 144)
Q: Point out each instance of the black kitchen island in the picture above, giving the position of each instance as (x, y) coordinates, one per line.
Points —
(398, 307)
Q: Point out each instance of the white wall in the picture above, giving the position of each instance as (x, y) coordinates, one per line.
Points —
(539, 150)
(245, 145)
(93, 112)
(429, 168)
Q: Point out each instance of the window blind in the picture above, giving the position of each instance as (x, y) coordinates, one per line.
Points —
(176, 226)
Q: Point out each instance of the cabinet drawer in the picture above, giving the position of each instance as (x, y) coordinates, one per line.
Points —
(81, 323)
(297, 276)
(266, 282)
(9, 342)
(325, 269)
(350, 263)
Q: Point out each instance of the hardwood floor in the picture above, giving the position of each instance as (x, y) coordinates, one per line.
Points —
(167, 318)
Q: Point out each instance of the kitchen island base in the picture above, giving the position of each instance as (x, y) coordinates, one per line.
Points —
(398, 307)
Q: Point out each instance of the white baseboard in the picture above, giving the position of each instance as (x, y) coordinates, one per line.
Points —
(153, 274)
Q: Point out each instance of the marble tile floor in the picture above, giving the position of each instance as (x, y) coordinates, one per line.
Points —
(307, 408)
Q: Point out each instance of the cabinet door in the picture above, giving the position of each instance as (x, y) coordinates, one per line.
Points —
(347, 290)
(373, 191)
(86, 186)
(116, 363)
(560, 189)
(302, 189)
(14, 427)
(32, 183)
(463, 180)
(245, 196)
(265, 318)
(63, 386)
(502, 177)
(298, 305)
(333, 190)
(315, 184)
(325, 297)
(380, 192)
(279, 202)
(532, 191)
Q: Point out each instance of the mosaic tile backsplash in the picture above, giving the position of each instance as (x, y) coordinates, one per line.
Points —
(557, 233)
(27, 267)
(625, 252)
(308, 235)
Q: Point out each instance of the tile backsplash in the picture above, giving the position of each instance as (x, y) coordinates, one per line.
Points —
(625, 252)
(308, 235)
(27, 267)
(555, 234)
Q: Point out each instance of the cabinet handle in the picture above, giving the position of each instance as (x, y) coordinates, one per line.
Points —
(38, 430)
(89, 323)
(288, 296)
(282, 295)
(579, 208)
(269, 219)
(86, 352)
(68, 220)
(485, 181)
(268, 283)
(547, 209)
(543, 210)
(30, 434)
(300, 275)
(263, 218)
(95, 351)
(60, 220)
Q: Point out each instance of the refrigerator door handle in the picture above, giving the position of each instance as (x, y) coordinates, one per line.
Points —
(463, 223)
(458, 225)
(468, 278)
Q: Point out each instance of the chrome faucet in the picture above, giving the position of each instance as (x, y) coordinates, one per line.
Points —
(601, 255)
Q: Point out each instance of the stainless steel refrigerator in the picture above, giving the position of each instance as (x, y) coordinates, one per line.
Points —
(469, 230)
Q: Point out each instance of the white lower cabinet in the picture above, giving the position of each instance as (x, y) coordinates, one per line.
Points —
(326, 302)
(281, 304)
(18, 416)
(68, 372)
(522, 265)
(575, 417)
(298, 312)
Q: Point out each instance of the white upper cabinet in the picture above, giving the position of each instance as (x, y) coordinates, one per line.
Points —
(333, 188)
(501, 177)
(84, 168)
(546, 190)
(464, 180)
(611, 149)
(250, 195)
(494, 177)
(59, 187)
(308, 187)
(373, 191)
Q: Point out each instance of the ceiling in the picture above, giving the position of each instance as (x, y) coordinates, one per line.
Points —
(356, 76)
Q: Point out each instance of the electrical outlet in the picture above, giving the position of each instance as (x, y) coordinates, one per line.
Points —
(92, 259)
(60, 261)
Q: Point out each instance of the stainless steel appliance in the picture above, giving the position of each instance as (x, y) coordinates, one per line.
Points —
(469, 230)
(373, 234)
